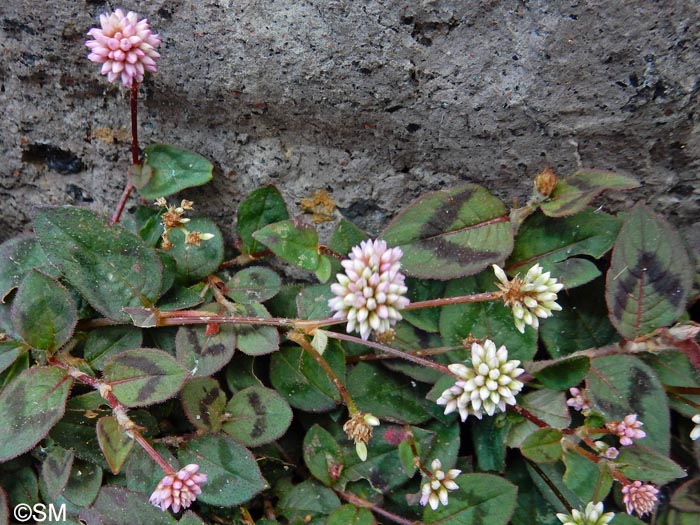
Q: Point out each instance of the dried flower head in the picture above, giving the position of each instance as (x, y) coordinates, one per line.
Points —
(592, 515)
(639, 497)
(695, 433)
(180, 489)
(125, 46)
(196, 238)
(531, 297)
(578, 400)
(359, 429)
(627, 430)
(371, 291)
(488, 385)
(434, 491)
(545, 182)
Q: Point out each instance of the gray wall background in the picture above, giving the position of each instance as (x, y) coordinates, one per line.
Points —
(376, 101)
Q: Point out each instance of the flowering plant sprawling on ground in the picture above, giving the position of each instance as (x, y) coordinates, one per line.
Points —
(156, 369)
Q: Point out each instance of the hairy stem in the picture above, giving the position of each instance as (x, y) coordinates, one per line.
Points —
(394, 351)
(301, 340)
(359, 502)
(134, 153)
(473, 298)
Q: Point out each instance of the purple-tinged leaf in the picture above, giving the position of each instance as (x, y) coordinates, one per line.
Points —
(114, 443)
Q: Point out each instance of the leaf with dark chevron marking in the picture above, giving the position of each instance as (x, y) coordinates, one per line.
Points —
(204, 403)
(451, 233)
(114, 443)
(29, 407)
(650, 277)
(144, 376)
(572, 194)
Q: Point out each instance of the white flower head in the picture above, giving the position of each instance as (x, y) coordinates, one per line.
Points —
(531, 297)
(371, 291)
(434, 491)
(488, 386)
(179, 489)
(695, 433)
(592, 515)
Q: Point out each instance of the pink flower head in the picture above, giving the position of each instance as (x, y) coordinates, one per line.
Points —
(371, 291)
(627, 429)
(178, 490)
(578, 400)
(639, 498)
(124, 46)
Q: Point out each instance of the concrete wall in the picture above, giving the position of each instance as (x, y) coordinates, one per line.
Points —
(376, 101)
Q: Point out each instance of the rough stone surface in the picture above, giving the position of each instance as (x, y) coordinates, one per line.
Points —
(376, 101)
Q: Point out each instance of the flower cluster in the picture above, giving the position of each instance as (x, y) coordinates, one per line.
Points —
(578, 400)
(172, 218)
(639, 497)
(695, 433)
(627, 430)
(434, 491)
(359, 429)
(592, 515)
(371, 291)
(125, 46)
(488, 385)
(529, 298)
(179, 490)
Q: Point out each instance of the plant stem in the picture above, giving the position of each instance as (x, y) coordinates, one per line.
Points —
(394, 351)
(473, 298)
(301, 340)
(134, 153)
(118, 409)
(423, 352)
(359, 502)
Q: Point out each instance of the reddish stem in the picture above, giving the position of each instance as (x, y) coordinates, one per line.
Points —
(359, 502)
(134, 153)
(474, 298)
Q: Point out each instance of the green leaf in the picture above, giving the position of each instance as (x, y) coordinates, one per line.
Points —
(312, 302)
(17, 256)
(351, 515)
(572, 194)
(142, 473)
(43, 312)
(543, 445)
(590, 481)
(144, 376)
(640, 462)
(674, 369)
(259, 415)
(234, 476)
(103, 343)
(110, 266)
(481, 498)
(650, 276)
(29, 406)
(489, 439)
(255, 339)
(322, 455)
(308, 501)
(532, 508)
(294, 241)
(552, 242)
(582, 323)
(9, 352)
(114, 443)
(116, 506)
(619, 385)
(83, 484)
(202, 354)
(345, 237)
(262, 207)
(686, 498)
(485, 320)
(451, 233)
(427, 319)
(204, 403)
(548, 405)
(560, 375)
(255, 284)
(197, 262)
(297, 376)
(55, 471)
(385, 395)
(325, 268)
(170, 169)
